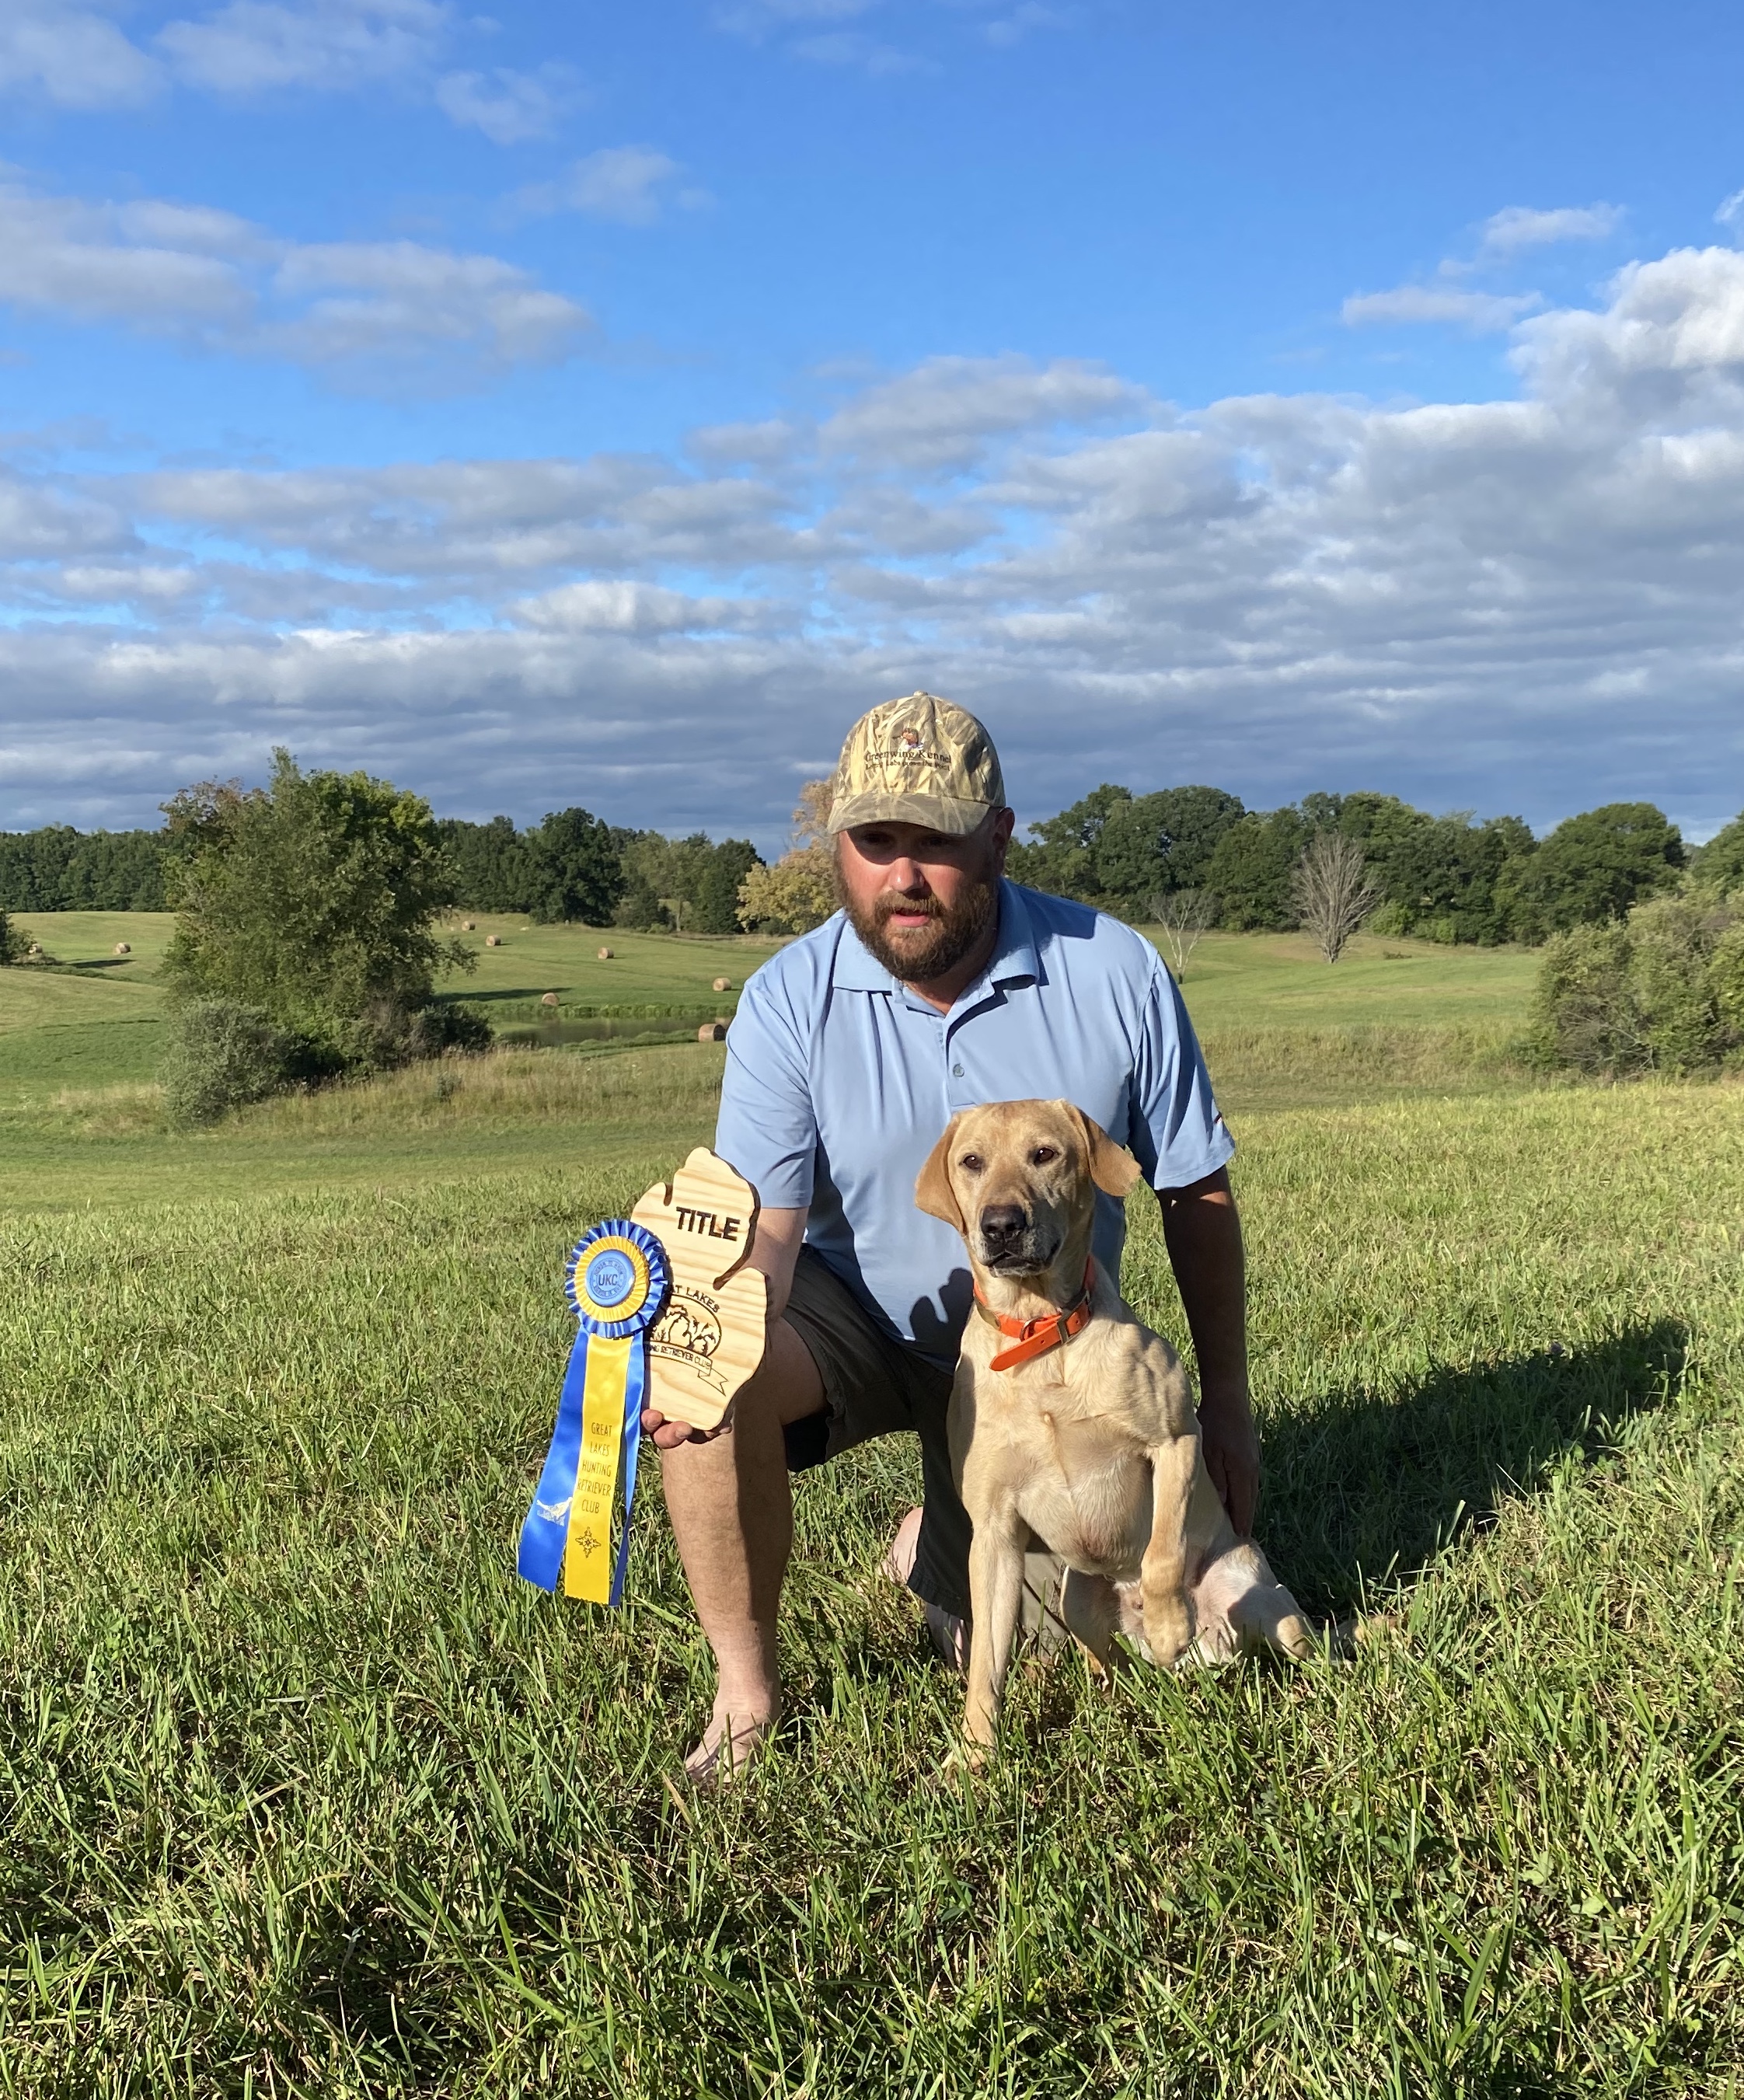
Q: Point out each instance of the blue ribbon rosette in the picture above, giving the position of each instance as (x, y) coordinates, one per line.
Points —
(617, 1280)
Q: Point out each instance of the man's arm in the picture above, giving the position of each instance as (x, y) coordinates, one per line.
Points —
(776, 1251)
(1204, 1237)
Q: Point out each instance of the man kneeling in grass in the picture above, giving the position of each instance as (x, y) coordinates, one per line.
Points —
(939, 986)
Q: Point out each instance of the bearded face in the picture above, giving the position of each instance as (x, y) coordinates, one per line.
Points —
(920, 953)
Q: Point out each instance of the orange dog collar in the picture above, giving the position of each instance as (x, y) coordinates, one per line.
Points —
(1035, 1337)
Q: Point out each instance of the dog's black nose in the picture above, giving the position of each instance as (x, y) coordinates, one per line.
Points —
(1002, 1225)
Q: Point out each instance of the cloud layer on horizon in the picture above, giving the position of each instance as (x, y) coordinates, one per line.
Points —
(1527, 604)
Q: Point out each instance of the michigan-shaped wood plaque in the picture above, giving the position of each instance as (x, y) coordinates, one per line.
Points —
(711, 1336)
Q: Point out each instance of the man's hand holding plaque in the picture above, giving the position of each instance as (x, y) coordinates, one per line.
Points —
(711, 1336)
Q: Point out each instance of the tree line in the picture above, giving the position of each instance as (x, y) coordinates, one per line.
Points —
(1448, 879)
(56, 868)
(574, 866)
(571, 866)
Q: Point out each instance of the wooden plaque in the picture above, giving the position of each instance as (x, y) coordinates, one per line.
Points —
(711, 1336)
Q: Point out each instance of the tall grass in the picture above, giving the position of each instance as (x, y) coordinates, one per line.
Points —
(306, 1795)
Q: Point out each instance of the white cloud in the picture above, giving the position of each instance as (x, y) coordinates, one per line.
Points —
(815, 30)
(1730, 210)
(1483, 313)
(942, 414)
(627, 184)
(756, 19)
(1526, 603)
(73, 57)
(510, 107)
(361, 310)
(852, 47)
(766, 444)
(252, 47)
(1518, 227)
(1022, 21)
(1515, 230)
(622, 607)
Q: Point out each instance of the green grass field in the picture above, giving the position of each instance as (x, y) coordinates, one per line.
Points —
(305, 1794)
(80, 1046)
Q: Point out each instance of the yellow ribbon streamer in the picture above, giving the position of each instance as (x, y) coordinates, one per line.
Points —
(587, 1556)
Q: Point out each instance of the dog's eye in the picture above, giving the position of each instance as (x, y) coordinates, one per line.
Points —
(1043, 1153)
(971, 1162)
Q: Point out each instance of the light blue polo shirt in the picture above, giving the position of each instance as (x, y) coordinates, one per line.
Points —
(839, 1082)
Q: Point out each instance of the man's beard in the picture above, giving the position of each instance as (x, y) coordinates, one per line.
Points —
(925, 954)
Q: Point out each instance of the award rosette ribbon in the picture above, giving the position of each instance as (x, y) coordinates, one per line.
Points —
(618, 1281)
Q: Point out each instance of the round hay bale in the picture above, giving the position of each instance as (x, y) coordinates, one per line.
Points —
(723, 984)
(469, 925)
(123, 948)
(549, 998)
(493, 940)
(606, 954)
(712, 1031)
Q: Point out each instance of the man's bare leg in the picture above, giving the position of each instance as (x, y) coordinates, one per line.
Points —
(732, 1515)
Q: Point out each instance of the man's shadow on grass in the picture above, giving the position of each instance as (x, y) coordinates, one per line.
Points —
(1366, 1487)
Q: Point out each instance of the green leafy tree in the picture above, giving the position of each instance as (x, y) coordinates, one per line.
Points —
(691, 883)
(797, 894)
(1440, 875)
(55, 868)
(1151, 843)
(11, 941)
(575, 869)
(313, 900)
(1592, 868)
(492, 869)
(1720, 864)
(1193, 820)
(1061, 855)
(1251, 867)
(717, 887)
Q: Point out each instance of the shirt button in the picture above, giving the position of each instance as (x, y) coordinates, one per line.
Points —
(956, 1071)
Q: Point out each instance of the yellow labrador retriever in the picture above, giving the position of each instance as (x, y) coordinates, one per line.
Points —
(1072, 1420)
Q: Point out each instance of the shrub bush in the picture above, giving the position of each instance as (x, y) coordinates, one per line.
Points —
(223, 1055)
(1662, 991)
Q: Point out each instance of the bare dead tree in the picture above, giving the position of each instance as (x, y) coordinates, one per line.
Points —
(812, 814)
(1184, 915)
(1332, 892)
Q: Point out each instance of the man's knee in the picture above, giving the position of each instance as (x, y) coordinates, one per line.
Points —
(787, 1385)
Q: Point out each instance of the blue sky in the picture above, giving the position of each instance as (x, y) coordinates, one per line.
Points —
(606, 404)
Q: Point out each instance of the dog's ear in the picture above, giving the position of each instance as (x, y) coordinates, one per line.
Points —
(1113, 1168)
(933, 1192)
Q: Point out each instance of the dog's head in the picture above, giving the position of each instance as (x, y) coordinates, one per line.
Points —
(1018, 1180)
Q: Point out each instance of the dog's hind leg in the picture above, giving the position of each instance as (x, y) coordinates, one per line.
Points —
(995, 1591)
(1091, 1609)
(1240, 1588)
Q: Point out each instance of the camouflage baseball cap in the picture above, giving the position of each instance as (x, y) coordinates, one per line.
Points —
(918, 761)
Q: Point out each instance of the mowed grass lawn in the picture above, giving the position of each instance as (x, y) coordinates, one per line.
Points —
(305, 1794)
(80, 1046)
(97, 1019)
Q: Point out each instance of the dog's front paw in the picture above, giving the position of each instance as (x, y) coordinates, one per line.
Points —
(969, 1757)
(1169, 1629)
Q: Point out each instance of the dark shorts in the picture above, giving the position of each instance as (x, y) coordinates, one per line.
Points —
(873, 1386)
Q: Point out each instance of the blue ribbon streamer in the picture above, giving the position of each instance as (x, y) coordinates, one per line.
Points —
(545, 1533)
(635, 1384)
